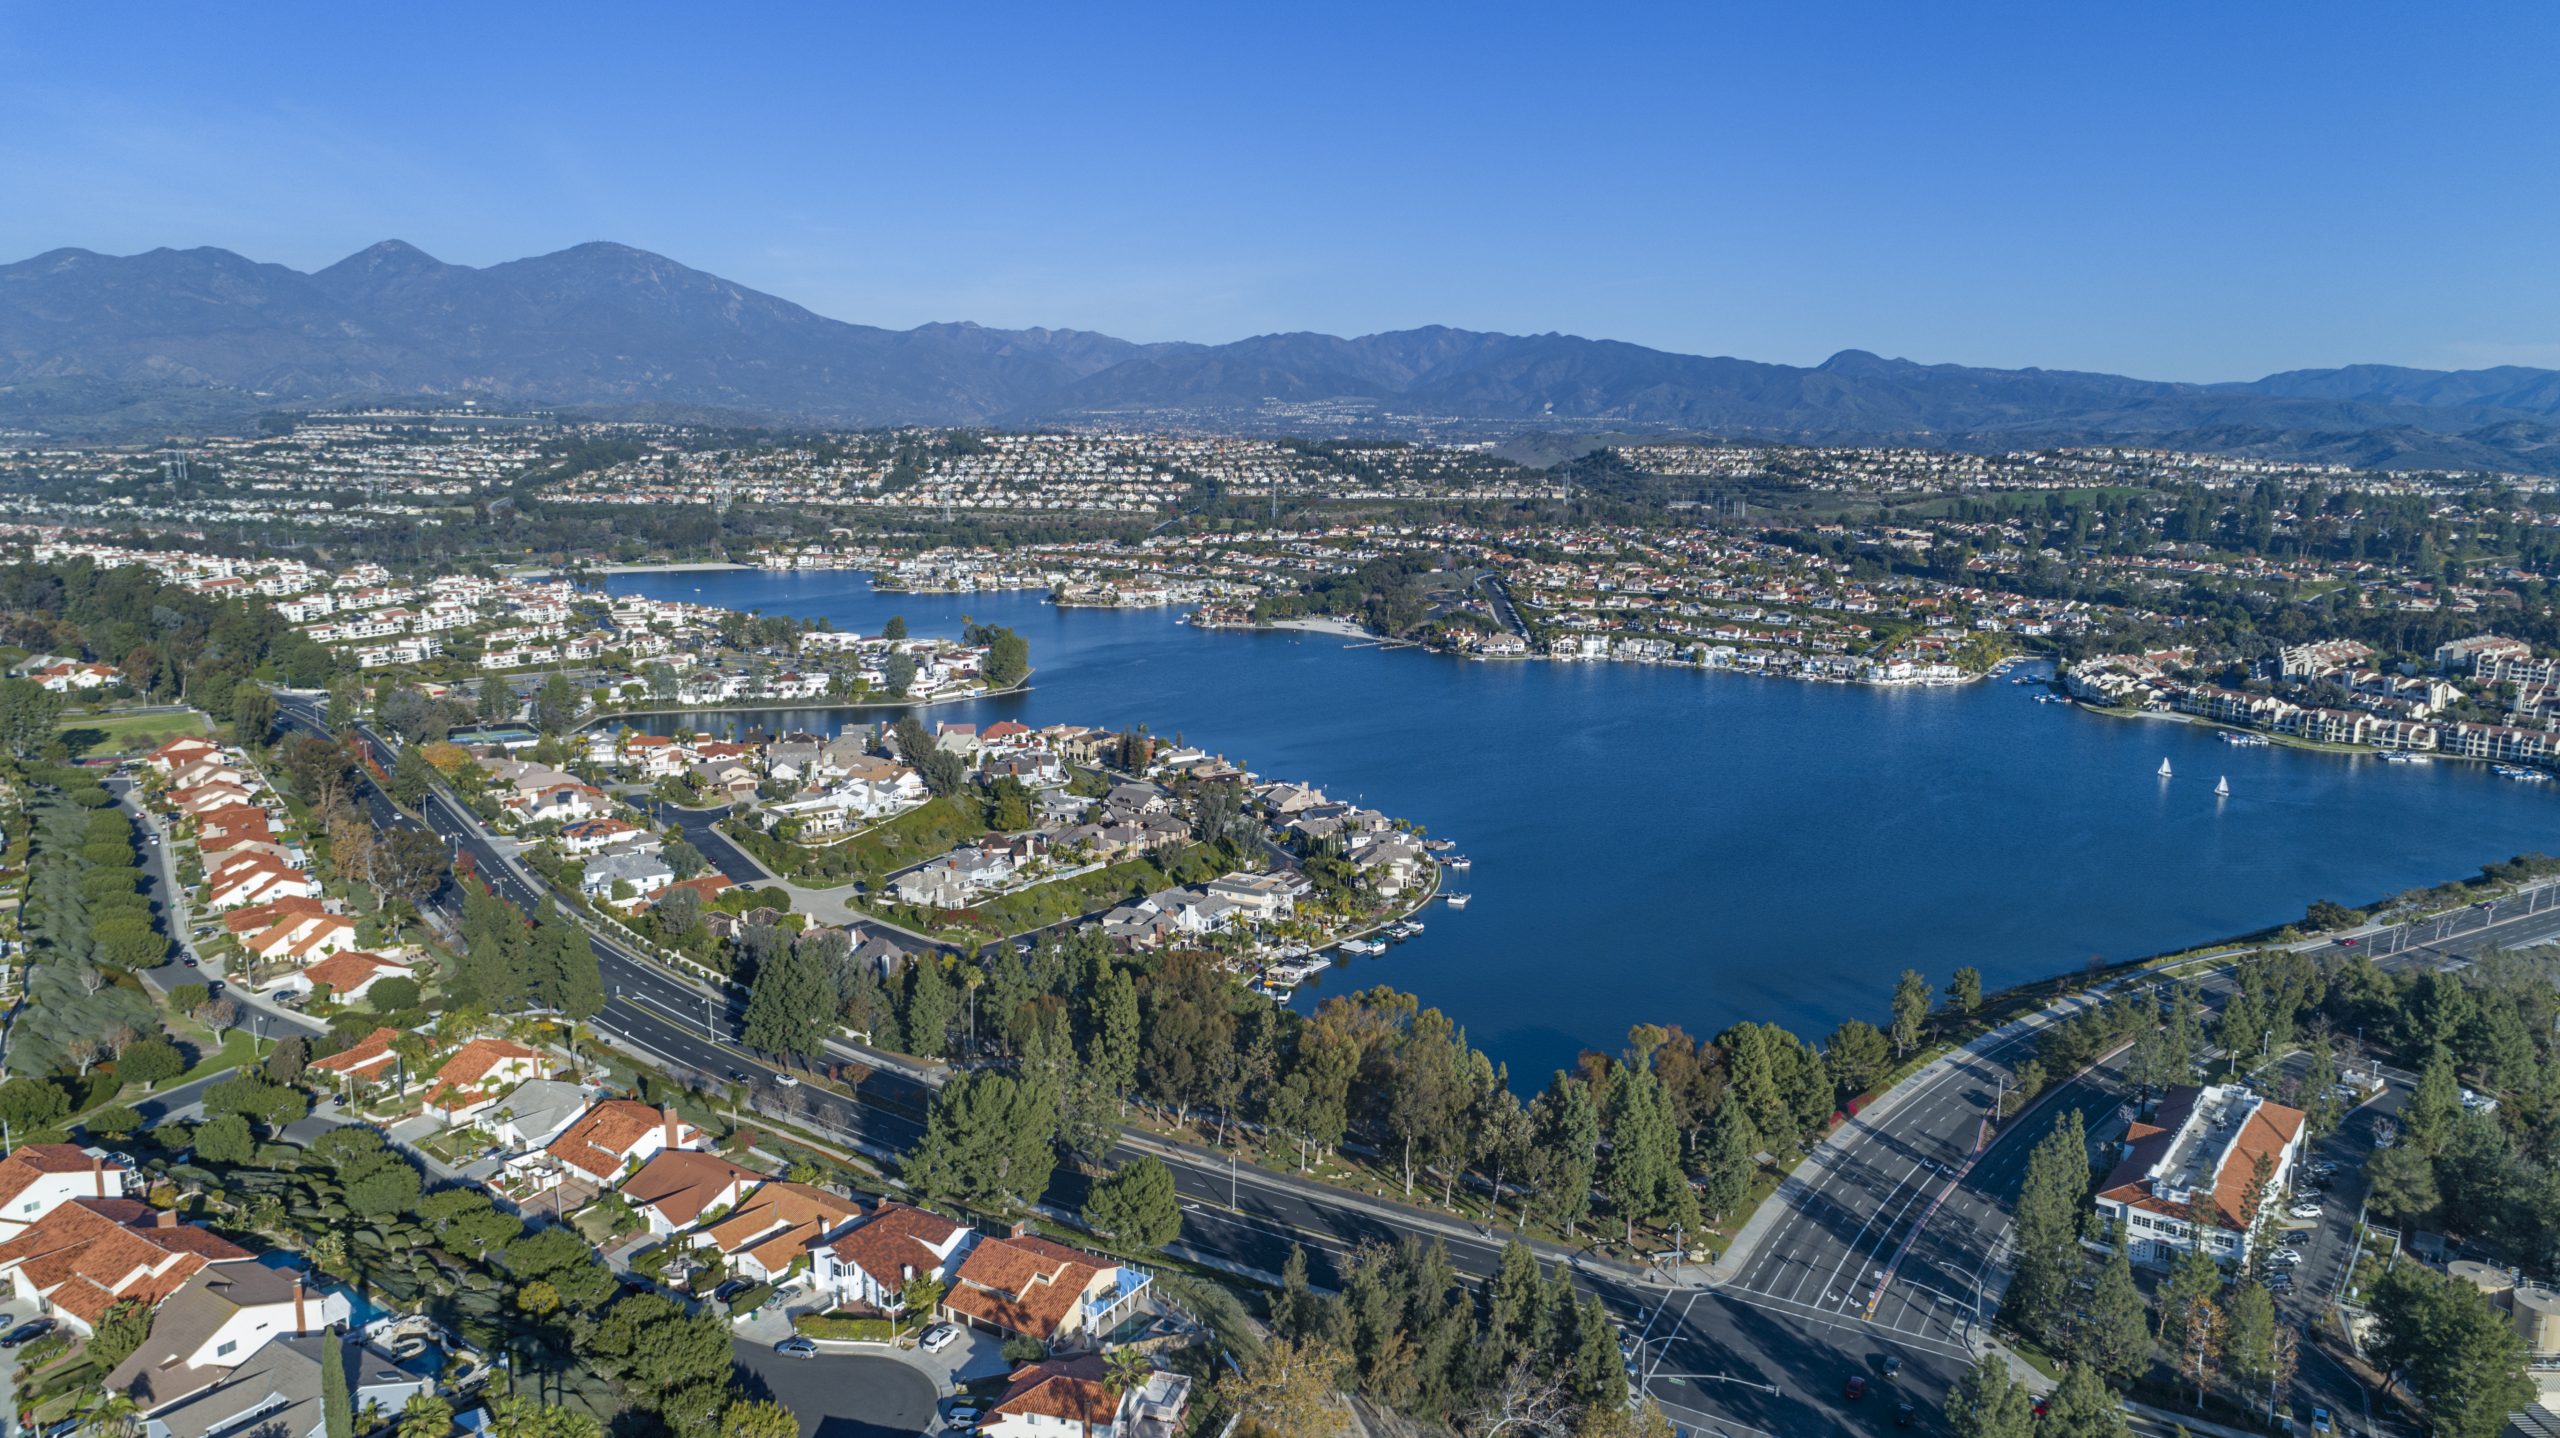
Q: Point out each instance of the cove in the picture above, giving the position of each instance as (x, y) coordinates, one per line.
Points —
(1666, 846)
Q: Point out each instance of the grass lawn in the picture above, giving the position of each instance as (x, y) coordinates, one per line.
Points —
(1037, 906)
(87, 735)
(238, 1047)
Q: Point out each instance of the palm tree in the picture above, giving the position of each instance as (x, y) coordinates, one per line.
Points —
(1125, 1370)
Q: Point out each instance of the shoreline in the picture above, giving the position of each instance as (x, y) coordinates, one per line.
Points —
(783, 706)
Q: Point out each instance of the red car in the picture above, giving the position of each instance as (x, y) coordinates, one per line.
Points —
(2346, 943)
(1855, 1388)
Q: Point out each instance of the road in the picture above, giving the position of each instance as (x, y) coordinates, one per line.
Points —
(1895, 1239)
(169, 902)
(1890, 1247)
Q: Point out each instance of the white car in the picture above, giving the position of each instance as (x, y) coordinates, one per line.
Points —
(2305, 1210)
(939, 1337)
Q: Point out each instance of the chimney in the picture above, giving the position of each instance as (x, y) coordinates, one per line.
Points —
(98, 1174)
(166, 1218)
(670, 1112)
(1021, 1228)
(299, 1326)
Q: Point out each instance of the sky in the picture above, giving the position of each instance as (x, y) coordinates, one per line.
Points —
(2196, 192)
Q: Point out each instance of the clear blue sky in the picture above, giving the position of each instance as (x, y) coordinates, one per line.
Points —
(2192, 192)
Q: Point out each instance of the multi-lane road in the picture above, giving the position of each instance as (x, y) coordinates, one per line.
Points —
(1889, 1245)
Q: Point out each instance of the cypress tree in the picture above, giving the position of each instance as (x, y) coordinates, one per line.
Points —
(337, 1404)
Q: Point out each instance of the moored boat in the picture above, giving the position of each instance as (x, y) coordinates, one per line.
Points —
(1455, 901)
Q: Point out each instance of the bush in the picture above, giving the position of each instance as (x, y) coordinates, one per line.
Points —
(752, 1299)
(844, 1326)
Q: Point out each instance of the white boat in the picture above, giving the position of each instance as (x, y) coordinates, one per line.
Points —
(1412, 926)
(1455, 901)
(1457, 861)
(2164, 768)
(2222, 787)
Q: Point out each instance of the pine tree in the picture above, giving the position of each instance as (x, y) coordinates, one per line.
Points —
(1910, 1010)
(931, 1003)
(1753, 1082)
(2081, 1407)
(2427, 1125)
(1730, 1158)
(1989, 1403)
(1566, 1155)
(791, 1005)
(337, 1403)
(2115, 1337)
(1113, 1055)
(574, 982)
(1965, 989)
(1641, 1172)
(2048, 1227)
(1517, 1314)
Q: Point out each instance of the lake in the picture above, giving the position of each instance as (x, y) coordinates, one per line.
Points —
(1668, 846)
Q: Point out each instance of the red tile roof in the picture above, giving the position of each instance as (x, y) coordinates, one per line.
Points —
(1068, 1389)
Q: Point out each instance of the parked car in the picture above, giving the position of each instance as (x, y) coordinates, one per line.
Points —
(2305, 1210)
(940, 1336)
(786, 1081)
(2319, 1420)
(962, 1416)
(27, 1332)
(730, 1289)
(1906, 1415)
(797, 1348)
(1855, 1388)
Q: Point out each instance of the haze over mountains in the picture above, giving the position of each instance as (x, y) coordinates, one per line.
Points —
(132, 346)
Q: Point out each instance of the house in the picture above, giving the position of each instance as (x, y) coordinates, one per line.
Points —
(533, 1114)
(65, 678)
(606, 876)
(2203, 1146)
(182, 751)
(216, 1321)
(619, 1135)
(1027, 1286)
(1262, 897)
(256, 878)
(367, 1060)
(935, 886)
(777, 1228)
(90, 1254)
(277, 1393)
(37, 1178)
(348, 975)
(472, 1079)
(674, 1189)
(1068, 1398)
(589, 837)
(302, 938)
(870, 1265)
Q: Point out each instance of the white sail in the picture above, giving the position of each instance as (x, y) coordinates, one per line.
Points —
(2164, 768)
(2222, 786)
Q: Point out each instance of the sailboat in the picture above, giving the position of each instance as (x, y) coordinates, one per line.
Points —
(2222, 787)
(2164, 768)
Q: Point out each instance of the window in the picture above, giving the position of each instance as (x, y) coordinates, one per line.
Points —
(225, 1350)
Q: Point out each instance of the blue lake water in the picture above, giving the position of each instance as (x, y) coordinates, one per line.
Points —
(1682, 848)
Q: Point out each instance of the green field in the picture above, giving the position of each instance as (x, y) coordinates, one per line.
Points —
(107, 735)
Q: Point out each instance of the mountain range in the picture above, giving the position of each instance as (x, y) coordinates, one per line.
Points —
(98, 345)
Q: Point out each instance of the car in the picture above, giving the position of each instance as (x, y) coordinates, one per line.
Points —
(1855, 1388)
(2305, 1210)
(1906, 1415)
(786, 1080)
(27, 1332)
(2320, 1420)
(797, 1348)
(1892, 1364)
(189, 961)
(737, 1075)
(962, 1416)
(2348, 943)
(2286, 1256)
(940, 1336)
(730, 1289)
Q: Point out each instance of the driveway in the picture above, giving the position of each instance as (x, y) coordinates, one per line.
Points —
(12, 1313)
(843, 1395)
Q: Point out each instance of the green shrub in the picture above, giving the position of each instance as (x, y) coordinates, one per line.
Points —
(844, 1326)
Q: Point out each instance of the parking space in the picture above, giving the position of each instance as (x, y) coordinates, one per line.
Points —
(12, 1313)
